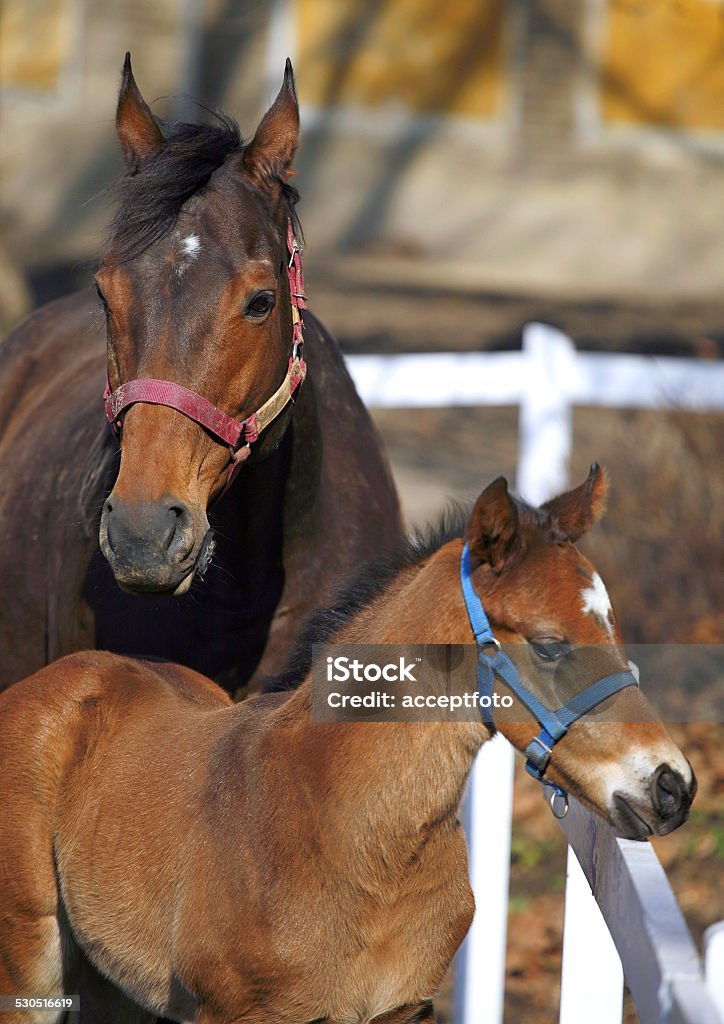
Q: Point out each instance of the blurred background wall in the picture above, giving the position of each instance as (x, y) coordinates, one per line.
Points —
(554, 149)
(465, 166)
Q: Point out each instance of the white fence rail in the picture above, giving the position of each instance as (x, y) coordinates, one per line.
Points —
(663, 970)
(632, 915)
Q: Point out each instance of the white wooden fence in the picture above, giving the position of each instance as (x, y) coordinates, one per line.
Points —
(630, 924)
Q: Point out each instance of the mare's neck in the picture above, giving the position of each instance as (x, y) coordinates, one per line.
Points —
(394, 782)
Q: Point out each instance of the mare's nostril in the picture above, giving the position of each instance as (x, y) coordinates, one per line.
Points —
(668, 791)
(169, 527)
(109, 523)
(148, 533)
(178, 537)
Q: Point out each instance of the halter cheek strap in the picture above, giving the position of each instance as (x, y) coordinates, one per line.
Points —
(239, 435)
(554, 723)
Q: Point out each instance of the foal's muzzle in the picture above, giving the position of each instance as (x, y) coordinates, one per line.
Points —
(665, 806)
(152, 546)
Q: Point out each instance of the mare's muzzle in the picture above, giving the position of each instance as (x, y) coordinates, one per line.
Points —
(151, 546)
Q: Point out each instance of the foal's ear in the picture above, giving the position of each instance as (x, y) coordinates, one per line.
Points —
(270, 153)
(576, 511)
(493, 531)
(137, 128)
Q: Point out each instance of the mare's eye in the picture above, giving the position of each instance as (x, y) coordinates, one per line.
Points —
(550, 650)
(260, 305)
(101, 296)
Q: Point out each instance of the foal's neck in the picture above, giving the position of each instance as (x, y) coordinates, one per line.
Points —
(400, 779)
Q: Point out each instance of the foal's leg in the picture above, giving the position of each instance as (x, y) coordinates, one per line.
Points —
(32, 963)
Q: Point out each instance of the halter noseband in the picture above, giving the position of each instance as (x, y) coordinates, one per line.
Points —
(239, 435)
(554, 724)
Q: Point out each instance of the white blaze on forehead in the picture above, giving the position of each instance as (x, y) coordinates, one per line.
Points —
(186, 251)
(191, 245)
(596, 602)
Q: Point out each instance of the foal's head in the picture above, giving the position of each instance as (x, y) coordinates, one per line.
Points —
(195, 290)
(546, 601)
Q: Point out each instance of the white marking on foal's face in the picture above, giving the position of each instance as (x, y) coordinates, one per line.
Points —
(631, 774)
(596, 602)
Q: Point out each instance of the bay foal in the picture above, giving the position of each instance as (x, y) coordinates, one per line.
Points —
(244, 863)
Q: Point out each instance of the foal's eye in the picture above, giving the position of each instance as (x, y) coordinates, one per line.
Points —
(260, 305)
(550, 650)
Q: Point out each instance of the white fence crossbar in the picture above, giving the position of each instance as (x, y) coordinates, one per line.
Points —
(618, 901)
(663, 970)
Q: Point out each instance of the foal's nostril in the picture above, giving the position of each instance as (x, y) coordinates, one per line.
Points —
(669, 791)
(693, 785)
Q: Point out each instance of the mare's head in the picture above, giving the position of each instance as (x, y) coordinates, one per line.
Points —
(546, 600)
(195, 290)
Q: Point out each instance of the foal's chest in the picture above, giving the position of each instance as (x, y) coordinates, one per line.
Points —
(408, 944)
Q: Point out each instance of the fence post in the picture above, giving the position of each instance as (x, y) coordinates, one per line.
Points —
(591, 970)
(545, 422)
(543, 452)
(488, 816)
(714, 964)
(281, 42)
(592, 976)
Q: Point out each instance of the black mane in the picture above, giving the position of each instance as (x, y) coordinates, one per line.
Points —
(359, 591)
(149, 200)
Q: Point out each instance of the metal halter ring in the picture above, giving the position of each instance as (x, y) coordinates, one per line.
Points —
(558, 794)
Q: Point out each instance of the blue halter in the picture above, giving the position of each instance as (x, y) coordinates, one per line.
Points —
(554, 724)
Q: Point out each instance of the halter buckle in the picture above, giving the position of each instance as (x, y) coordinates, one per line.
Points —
(544, 746)
(537, 756)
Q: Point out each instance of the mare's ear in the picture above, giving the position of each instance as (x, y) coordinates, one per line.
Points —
(493, 531)
(137, 128)
(270, 153)
(577, 510)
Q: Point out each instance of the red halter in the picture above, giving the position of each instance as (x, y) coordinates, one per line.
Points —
(239, 435)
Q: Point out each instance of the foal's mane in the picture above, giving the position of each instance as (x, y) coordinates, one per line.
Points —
(150, 200)
(360, 590)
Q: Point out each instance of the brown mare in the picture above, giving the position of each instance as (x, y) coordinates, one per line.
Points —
(193, 289)
(317, 872)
